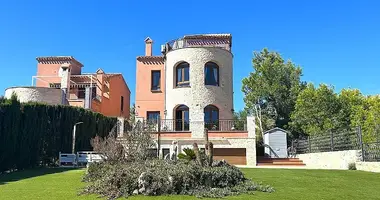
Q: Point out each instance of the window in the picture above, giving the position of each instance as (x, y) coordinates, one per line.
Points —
(82, 93)
(166, 152)
(211, 74)
(152, 116)
(156, 79)
(211, 117)
(122, 103)
(182, 75)
(182, 119)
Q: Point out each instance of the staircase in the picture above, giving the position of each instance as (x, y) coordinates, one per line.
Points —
(280, 162)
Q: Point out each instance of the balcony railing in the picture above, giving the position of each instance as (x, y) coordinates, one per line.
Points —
(226, 125)
(222, 42)
(174, 125)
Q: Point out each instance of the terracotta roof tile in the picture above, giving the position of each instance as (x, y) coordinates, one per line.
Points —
(208, 36)
(152, 60)
(58, 60)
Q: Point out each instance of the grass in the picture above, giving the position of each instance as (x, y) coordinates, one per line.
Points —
(289, 184)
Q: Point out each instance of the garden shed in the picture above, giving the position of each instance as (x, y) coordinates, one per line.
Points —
(275, 141)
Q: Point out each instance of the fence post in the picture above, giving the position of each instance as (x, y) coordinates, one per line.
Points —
(158, 137)
(361, 141)
(332, 140)
(308, 142)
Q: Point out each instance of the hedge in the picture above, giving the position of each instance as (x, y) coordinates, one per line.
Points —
(33, 134)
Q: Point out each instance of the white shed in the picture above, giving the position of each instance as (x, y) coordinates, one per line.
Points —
(275, 141)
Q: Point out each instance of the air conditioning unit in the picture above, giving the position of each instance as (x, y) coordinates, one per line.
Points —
(163, 48)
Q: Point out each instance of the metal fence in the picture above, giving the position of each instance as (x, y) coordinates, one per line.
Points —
(371, 152)
(177, 125)
(338, 141)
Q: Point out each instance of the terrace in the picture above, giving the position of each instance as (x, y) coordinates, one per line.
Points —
(223, 41)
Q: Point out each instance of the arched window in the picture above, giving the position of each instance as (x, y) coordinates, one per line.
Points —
(211, 117)
(182, 118)
(211, 74)
(182, 75)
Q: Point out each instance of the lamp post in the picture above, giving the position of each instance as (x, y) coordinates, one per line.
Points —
(74, 130)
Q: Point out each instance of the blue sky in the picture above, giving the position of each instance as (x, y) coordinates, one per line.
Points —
(335, 42)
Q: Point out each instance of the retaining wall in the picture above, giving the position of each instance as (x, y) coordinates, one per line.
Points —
(368, 166)
(330, 160)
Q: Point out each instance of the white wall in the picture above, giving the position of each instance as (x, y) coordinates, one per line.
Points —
(368, 166)
(199, 95)
(330, 160)
(52, 96)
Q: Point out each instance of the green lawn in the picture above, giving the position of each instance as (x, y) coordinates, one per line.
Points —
(289, 184)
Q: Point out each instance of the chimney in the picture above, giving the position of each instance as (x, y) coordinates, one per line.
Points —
(65, 81)
(148, 46)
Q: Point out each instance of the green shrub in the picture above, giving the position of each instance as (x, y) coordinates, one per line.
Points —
(188, 154)
(33, 134)
(159, 177)
(352, 166)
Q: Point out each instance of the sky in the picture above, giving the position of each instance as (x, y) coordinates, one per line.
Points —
(335, 42)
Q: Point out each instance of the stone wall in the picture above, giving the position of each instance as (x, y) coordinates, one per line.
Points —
(368, 166)
(199, 95)
(52, 96)
(330, 160)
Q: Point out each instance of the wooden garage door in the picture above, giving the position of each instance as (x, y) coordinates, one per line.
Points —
(233, 156)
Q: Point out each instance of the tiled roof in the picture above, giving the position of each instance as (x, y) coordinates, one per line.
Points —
(58, 60)
(208, 36)
(153, 60)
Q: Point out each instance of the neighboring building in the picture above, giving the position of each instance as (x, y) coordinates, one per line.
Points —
(106, 93)
(190, 88)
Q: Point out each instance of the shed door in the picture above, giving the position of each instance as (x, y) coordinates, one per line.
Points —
(234, 156)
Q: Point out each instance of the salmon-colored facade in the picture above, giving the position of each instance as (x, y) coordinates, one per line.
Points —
(147, 98)
(106, 93)
(189, 88)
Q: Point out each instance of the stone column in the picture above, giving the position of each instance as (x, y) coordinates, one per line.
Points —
(251, 127)
(88, 98)
(65, 82)
(251, 141)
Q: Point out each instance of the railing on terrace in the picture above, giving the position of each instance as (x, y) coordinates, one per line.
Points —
(185, 43)
(226, 125)
(175, 125)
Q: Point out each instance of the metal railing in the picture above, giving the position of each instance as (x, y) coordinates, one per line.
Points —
(339, 141)
(226, 125)
(178, 125)
(185, 43)
(371, 152)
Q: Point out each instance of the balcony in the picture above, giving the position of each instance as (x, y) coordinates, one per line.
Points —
(223, 41)
(174, 125)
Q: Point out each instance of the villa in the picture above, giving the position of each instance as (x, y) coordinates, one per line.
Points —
(189, 88)
(60, 80)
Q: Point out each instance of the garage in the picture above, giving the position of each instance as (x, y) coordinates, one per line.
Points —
(235, 156)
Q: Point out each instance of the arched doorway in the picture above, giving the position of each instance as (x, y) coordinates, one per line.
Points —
(182, 118)
(211, 117)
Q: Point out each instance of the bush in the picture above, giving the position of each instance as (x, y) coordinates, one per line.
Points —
(158, 177)
(33, 134)
(352, 166)
(188, 154)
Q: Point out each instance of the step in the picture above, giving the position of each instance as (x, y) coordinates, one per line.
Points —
(279, 159)
(281, 164)
(270, 161)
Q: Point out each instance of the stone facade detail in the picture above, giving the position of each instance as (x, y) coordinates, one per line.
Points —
(50, 96)
(368, 166)
(330, 160)
(199, 95)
